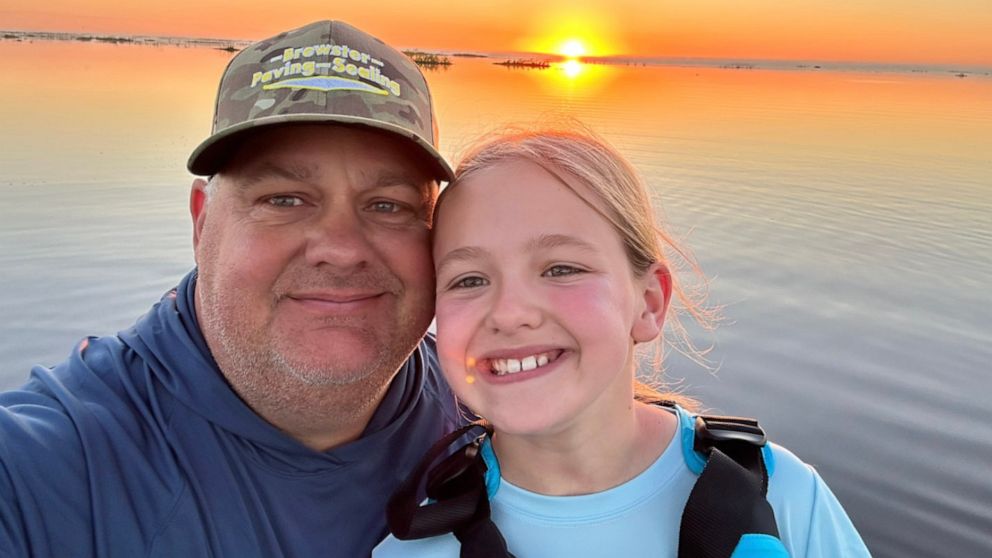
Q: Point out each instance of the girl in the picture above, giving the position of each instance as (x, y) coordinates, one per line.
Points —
(550, 270)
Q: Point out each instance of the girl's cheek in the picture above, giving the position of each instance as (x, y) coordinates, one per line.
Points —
(585, 300)
(454, 331)
(451, 319)
(453, 311)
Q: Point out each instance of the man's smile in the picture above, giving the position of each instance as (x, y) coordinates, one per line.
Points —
(336, 302)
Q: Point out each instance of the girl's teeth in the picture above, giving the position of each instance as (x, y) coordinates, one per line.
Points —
(511, 365)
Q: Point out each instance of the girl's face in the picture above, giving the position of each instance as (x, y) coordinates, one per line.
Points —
(537, 307)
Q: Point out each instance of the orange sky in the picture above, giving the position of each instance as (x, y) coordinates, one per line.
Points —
(953, 31)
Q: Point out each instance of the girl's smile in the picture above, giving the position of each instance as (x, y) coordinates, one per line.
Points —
(519, 365)
(501, 366)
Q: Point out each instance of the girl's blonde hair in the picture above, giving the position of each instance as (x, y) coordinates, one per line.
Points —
(576, 155)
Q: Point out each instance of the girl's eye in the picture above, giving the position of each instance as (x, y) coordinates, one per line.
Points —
(285, 201)
(470, 282)
(562, 270)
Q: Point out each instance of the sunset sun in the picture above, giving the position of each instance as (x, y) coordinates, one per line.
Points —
(573, 48)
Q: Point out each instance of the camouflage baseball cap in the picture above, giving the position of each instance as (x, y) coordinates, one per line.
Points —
(326, 71)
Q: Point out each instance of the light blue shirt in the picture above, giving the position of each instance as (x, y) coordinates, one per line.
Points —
(642, 516)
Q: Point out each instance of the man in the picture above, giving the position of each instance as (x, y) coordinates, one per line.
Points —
(270, 404)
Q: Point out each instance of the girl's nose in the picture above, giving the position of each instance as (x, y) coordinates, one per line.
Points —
(514, 307)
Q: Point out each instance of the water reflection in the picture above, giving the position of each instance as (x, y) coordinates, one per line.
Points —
(571, 68)
(844, 216)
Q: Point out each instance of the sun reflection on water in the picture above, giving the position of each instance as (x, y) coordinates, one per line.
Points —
(571, 68)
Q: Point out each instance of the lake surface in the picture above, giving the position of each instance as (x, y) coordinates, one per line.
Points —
(845, 220)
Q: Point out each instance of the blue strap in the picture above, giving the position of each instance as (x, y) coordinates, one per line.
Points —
(755, 545)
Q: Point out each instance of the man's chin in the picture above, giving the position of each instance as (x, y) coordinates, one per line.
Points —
(337, 362)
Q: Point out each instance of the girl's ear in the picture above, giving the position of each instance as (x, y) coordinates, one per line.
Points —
(657, 292)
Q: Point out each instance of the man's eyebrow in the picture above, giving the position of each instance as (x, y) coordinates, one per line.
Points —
(465, 253)
(423, 186)
(268, 169)
(397, 178)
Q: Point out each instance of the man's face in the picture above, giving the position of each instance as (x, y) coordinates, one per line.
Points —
(314, 258)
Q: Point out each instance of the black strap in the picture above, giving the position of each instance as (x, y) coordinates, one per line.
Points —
(460, 503)
(728, 499)
(482, 539)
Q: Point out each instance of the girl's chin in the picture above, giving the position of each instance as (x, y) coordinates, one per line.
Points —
(524, 422)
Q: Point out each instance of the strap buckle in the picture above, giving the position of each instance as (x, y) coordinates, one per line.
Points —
(718, 431)
(457, 486)
(451, 476)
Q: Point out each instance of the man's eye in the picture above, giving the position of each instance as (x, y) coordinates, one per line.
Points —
(284, 201)
(562, 271)
(386, 207)
(470, 282)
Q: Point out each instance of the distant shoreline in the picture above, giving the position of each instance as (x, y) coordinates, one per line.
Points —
(530, 60)
(232, 45)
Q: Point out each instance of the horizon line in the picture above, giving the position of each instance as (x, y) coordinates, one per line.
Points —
(614, 59)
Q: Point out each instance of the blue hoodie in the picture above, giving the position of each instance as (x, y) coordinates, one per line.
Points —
(136, 446)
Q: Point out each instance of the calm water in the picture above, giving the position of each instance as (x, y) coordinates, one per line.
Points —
(846, 220)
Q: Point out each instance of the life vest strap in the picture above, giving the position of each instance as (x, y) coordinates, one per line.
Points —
(458, 502)
(728, 500)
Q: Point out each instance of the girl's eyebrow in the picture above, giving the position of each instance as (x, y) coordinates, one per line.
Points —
(461, 254)
(546, 241)
(543, 242)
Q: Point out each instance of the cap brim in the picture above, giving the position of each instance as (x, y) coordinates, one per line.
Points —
(209, 156)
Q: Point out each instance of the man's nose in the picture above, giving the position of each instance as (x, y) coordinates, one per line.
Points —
(515, 306)
(337, 238)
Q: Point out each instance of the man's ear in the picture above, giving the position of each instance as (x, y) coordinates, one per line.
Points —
(657, 293)
(198, 207)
